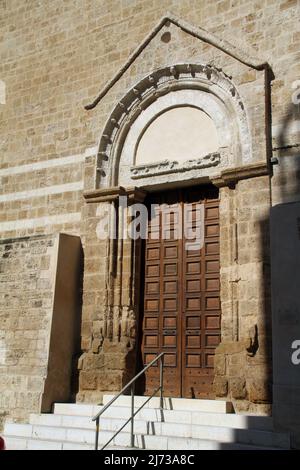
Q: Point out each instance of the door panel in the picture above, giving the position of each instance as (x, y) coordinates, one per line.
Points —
(181, 293)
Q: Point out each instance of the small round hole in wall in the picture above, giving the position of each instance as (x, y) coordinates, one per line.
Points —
(166, 37)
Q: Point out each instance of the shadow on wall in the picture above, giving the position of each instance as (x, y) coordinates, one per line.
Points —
(254, 431)
(285, 189)
(287, 173)
(285, 250)
(77, 342)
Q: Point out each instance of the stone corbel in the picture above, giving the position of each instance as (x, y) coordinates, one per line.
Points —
(112, 194)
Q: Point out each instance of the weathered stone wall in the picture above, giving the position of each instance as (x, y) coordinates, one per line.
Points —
(54, 58)
(41, 198)
(243, 363)
(28, 269)
(39, 302)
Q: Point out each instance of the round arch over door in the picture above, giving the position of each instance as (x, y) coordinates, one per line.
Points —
(182, 85)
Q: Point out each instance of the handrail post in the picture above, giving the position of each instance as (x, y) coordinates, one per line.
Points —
(161, 379)
(97, 433)
(132, 417)
(131, 385)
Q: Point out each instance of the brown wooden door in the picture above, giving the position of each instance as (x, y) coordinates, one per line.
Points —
(181, 293)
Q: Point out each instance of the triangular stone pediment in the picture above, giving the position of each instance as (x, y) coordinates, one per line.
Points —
(195, 31)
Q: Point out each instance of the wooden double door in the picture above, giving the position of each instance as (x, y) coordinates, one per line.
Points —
(181, 302)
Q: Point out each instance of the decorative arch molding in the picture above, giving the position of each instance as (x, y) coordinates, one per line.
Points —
(201, 86)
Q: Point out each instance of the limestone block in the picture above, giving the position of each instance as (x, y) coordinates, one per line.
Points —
(93, 361)
(259, 390)
(237, 387)
(110, 381)
(232, 347)
(220, 365)
(221, 386)
(87, 380)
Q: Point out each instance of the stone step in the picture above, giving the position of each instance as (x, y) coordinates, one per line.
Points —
(76, 409)
(205, 432)
(178, 404)
(159, 430)
(18, 443)
(83, 422)
(192, 417)
(210, 406)
(151, 415)
(184, 424)
(55, 433)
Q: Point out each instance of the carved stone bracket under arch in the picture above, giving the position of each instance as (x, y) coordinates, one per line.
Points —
(204, 78)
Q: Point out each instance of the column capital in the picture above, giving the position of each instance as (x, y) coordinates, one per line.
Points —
(113, 193)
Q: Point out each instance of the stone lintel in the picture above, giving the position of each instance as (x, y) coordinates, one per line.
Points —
(113, 193)
(232, 176)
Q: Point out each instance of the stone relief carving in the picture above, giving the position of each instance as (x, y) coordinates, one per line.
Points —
(167, 166)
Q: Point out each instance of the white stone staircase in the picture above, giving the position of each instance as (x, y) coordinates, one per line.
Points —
(184, 424)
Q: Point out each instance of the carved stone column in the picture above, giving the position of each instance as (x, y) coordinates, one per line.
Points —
(111, 293)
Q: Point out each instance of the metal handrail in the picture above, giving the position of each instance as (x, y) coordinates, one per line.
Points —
(133, 413)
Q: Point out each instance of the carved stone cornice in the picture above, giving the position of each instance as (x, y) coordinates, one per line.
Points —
(112, 194)
(232, 176)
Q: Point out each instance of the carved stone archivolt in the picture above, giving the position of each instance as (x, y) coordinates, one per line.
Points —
(198, 85)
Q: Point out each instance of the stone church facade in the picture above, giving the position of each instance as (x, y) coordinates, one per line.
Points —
(91, 92)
